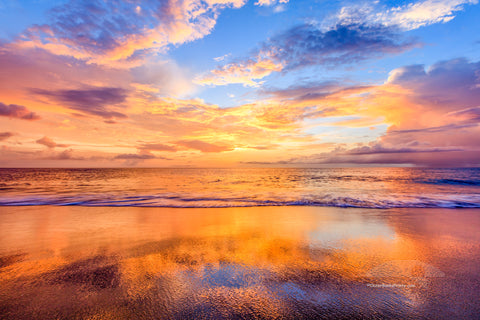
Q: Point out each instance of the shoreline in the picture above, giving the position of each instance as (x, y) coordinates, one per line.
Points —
(270, 262)
(237, 206)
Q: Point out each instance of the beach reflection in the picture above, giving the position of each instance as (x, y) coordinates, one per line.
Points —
(267, 262)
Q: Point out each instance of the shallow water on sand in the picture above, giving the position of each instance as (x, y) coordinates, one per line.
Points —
(264, 262)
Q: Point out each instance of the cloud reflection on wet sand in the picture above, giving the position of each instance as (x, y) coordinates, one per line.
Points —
(266, 263)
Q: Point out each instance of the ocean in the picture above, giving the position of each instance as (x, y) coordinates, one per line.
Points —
(357, 243)
(339, 187)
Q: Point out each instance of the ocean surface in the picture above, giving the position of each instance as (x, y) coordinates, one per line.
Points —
(349, 187)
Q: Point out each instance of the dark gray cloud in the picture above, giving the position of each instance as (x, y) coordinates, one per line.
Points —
(96, 101)
(6, 135)
(17, 111)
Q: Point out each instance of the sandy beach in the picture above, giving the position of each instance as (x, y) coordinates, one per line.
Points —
(259, 262)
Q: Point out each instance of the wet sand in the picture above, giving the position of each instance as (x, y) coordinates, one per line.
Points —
(248, 263)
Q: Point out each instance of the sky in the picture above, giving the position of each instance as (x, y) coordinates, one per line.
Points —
(239, 83)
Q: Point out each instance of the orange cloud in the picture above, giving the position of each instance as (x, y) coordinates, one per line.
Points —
(203, 146)
(245, 73)
(49, 143)
(176, 22)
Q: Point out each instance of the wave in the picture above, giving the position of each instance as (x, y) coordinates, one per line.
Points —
(461, 201)
(453, 182)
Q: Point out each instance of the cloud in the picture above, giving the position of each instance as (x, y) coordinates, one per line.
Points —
(134, 156)
(313, 91)
(122, 33)
(308, 45)
(407, 17)
(132, 159)
(468, 114)
(431, 114)
(436, 111)
(46, 141)
(377, 148)
(203, 146)
(6, 135)
(221, 58)
(157, 147)
(56, 79)
(269, 2)
(194, 124)
(245, 73)
(377, 154)
(438, 129)
(17, 111)
(37, 68)
(357, 33)
(95, 101)
(64, 155)
(450, 84)
(165, 78)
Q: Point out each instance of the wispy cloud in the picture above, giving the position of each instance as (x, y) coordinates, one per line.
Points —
(132, 159)
(64, 155)
(269, 2)
(134, 156)
(407, 17)
(106, 32)
(49, 143)
(245, 72)
(203, 146)
(377, 154)
(468, 115)
(94, 101)
(221, 58)
(308, 45)
(157, 147)
(6, 135)
(356, 33)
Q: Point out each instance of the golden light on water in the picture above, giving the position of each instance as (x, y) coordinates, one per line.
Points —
(265, 262)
